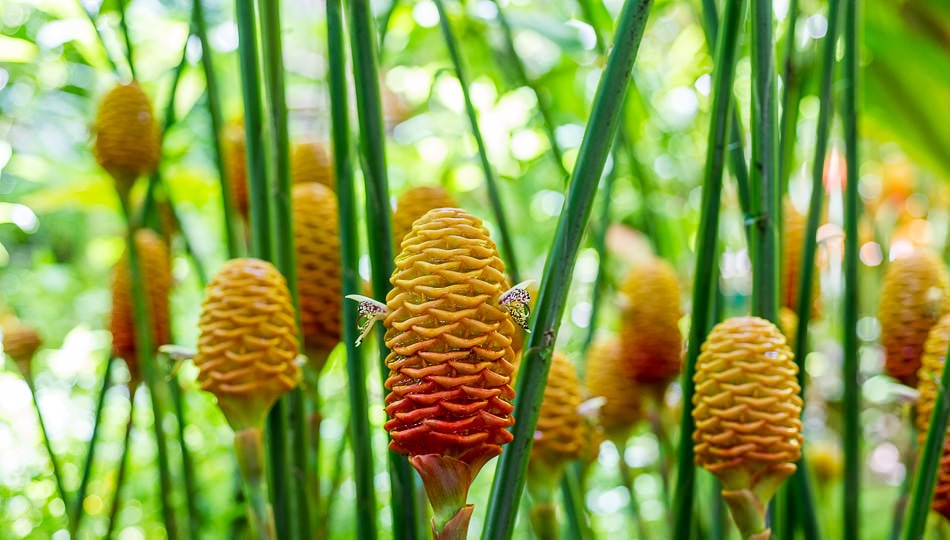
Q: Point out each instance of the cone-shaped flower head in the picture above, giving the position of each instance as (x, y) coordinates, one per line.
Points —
(914, 295)
(746, 408)
(450, 363)
(248, 347)
(559, 436)
(412, 204)
(931, 368)
(312, 163)
(606, 378)
(20, 343)
(318, 266)
(652, 345)
(793, 238)
(235, 161)
(788, 322)
(126, 135)
(157, 281)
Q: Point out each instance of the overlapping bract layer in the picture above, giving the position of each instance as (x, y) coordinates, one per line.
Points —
(451, 358)
(915, 293)
(412, 204)
(248, 346)
(606, 378)
(311, 162)
(931, 368)
(127, 144)
(559, 435)
(235, 161)
(20, 343)
(155, 266)
(318, 264)
(650, 336)
(747, 404)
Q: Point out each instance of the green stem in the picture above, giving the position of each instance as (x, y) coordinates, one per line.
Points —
(506, 244)
(626, 476)
(146, 352)
(249, 445)
(217, 126)
(851, 401)
(559, 267)
(791, 95)
(192, 492)
(123, 24)
(379, 233)
(544, 520)
(384, 24)
(359, 426)
(573, 503)
(323, 516)
(188, 245)
(76, 515)
(704, 286)
(57, 474)
(123, 465)
(101, 40)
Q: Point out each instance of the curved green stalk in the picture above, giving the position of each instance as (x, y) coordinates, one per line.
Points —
(123, 465)
(76, 514)
(559, 267)
(217, 126)
(573, 503)
(406, 513)
(791, 95)
(851, 401)
(323, 516)
(724, 67)
(123, 24)
(384, 24)
(192, 491)
(101, 40)
(57, 474)
(494, 196)
(626, 476)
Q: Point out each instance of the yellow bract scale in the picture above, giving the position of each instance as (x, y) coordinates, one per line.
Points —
(413, 204)
(312, 163)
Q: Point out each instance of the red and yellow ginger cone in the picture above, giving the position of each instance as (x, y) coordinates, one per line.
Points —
(449, 325)
(235, 161)
(931, 368)
(747, 409)
(558, 440)
(20, 343)
(127, 140)
(652, 344)
(913, 297)
(413, 204)
(606, 378)
(157, 281)
(318, 269)
(311, 162)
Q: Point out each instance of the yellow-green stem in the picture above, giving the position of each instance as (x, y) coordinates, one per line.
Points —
(249, 445)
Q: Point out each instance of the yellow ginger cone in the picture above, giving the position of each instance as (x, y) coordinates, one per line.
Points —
(20, 343)
(235, 161)
(127, 144)
(318, 269)
(312, 163)
(651, 342)
(247, 348)
(788, 322)
(412, 204)
(449, 325)
(914, 295)
(931, 368)
(825, 461)
(157, 280)
(606, 378)
(747, 411)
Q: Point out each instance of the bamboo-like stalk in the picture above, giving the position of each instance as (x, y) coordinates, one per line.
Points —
(57, 473)
(573, 503)
(626, 476)
(851, 399)
(192, 492)
(505, 243)
(123, 465)
(547, 122)
(791, 95)
(559, 266)
(405, 510)
(249, 444)
(76, 514)
(600, 246)
(200, 29)
(323, 515)
(724, 66)
(123, 24)
(102, 42)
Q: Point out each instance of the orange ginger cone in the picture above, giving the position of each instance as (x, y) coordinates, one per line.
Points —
(311, 162)
(235, 161)
(449, 325)
(20, 343)
(793, 239)
(622, 408)
(157, 281)
(914, 295)
(412, 204)
(652, 344)
(127, 141)
(931, 368)
(747, 410)
(318, 269)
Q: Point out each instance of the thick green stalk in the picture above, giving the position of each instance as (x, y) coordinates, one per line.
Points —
(573, 503)
(249, 445)
(57, 474)
(505, 243)
(547, 121)
(323, 516)
(406, 522)
(76, 514)
(217, 126)
(791, 94)
(195, 517)
(359, 427)
(146, 352)
(123, 465)
(600, 246)
(123, 24)
(851, 401)
(559, 268)
(724, 67)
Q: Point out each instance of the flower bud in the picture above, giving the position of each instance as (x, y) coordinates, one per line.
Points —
(127, 142)
(311, 162)
(606, 378)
